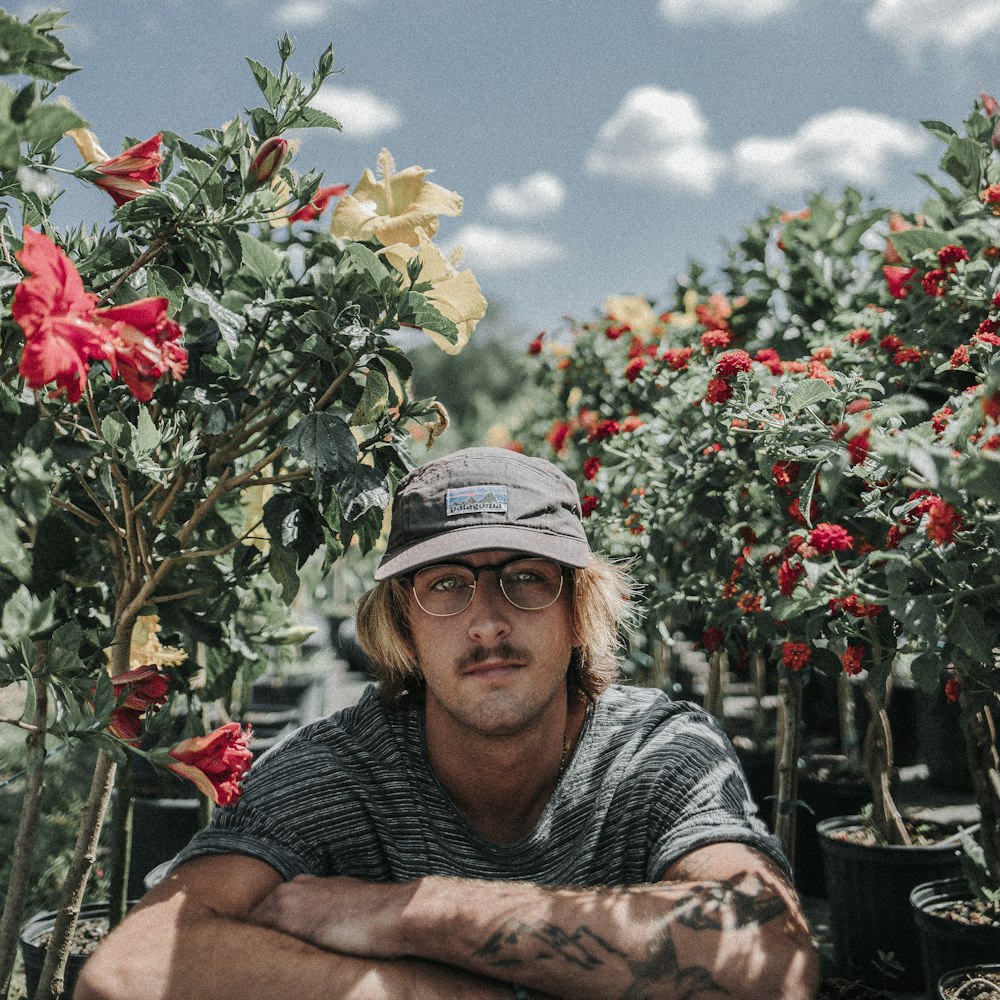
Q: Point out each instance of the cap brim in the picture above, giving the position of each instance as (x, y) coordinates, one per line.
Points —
(476, 538)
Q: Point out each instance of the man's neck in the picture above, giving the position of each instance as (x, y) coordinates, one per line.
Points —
(501, 784)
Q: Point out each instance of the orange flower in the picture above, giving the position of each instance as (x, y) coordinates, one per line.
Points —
(320, 200)
(215, 763)
(55, 313)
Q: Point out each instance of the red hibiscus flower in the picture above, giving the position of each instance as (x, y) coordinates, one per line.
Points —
(130, 174)
(144, 690)
(826, 538)
(314, 209)
(142, 344)
(591, 466)
(55, 313)
(215, 763)
(795, 655)
(898, 279)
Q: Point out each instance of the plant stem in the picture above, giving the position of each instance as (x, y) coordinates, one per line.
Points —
(787, 784)
(713, 697)
(50, 982)
(121, 845)
(984, 768)
(758, 674)
(27, 827)
(850, 745)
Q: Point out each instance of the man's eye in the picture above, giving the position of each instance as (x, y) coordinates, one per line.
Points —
(444, 584)
(524, 576)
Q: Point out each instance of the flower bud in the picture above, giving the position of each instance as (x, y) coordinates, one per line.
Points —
(990, 105)
(996, 136)
(285, 47)
(326, 62)
(267, 162)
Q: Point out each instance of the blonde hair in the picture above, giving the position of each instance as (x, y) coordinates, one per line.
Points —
(602, 606)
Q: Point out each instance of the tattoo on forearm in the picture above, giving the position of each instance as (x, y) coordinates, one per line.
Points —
(723, 906)
(582, 947)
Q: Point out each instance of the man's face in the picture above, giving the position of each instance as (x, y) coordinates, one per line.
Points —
(492, 668)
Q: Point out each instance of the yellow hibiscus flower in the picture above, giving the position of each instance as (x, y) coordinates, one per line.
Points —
(633, 310)
(453, 293)
(394, 208)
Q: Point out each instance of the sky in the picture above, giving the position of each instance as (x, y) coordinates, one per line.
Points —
(599, 145)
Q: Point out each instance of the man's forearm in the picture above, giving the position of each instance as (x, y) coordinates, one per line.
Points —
(740, 937)
(669, 940)
(194, 953)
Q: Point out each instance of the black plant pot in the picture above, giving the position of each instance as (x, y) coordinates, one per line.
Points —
(160, 828)
(949, 984)
(758, 766)
(824, 798)
(869, 888)
(948, 944)
(33, 954)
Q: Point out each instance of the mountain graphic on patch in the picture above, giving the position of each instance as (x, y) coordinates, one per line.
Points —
(489, 498)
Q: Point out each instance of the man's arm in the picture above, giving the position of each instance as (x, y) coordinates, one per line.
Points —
(190, 938)
(723, 923)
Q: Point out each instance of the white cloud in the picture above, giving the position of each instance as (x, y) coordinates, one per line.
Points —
(913, 25)
(539, 194)
(301, 12)
(362, 114)
(492, 249)
(657, 136)
(846, 145)
(737, 11)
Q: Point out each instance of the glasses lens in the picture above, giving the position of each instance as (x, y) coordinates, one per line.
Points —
(532, 584)
(444, 590)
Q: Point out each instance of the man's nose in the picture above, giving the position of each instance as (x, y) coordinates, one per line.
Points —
(488, 620)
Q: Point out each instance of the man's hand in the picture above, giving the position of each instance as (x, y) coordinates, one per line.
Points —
(339, 914)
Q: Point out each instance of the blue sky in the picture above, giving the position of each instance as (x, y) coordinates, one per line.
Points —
(599, 145)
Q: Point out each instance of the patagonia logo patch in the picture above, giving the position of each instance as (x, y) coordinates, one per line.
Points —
(488, 499)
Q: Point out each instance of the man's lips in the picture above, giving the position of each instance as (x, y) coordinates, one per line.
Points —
(492, 668)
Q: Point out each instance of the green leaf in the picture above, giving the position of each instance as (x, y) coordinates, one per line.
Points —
(963, 161)
(807, 393)
(231, 326)
(324, 442)
(927, 669)
(259, 259)
(911, 241)
(15, 557)
(374, 400)
(416, 310)
(968, 631)
(147, 436)
(363, 260)
(313, 118)
(25, 616)
(47, 123)
(361, 490)
(270, 85)
(941, 129)
(29, 49)
(116, 430)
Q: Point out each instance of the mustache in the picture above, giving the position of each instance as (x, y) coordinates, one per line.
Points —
(504, 651)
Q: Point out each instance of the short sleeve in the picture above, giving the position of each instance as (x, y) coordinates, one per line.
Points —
(699, 794)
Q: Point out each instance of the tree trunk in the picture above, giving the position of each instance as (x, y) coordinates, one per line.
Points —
(758, 675)
(850, 745)
(27, 827)
(984, 767)
(50, 982)
(787, 784)
(717, 664)
(878, 766)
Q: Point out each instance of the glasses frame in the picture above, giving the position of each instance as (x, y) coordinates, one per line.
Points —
(498, 568)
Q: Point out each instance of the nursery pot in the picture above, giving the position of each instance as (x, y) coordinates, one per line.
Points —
(869, 888)
(33, 953)
(945, 943)
(957, 984)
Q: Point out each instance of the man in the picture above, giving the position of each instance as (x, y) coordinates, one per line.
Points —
(499, 819)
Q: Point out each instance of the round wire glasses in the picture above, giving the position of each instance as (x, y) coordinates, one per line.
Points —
(446, 589)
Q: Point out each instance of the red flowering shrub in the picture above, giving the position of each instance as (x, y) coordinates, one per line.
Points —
(851, 659)
(591, 467)
(795, 655)
(731, 363)
(678, 357)
(826, 538)
(718, 391)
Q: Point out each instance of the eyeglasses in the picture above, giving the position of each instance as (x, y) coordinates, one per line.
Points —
(446, 589)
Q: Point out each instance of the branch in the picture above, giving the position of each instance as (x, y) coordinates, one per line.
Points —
(167, 598)
(75, 511)
(20, 724)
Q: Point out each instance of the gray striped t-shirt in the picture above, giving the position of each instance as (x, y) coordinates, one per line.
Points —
(354, 794)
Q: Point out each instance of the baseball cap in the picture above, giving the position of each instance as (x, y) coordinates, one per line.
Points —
(484, 498)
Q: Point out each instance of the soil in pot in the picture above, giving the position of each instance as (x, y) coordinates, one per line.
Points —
(869, 886)
(977, 983)
(91, 929)
(956, 930)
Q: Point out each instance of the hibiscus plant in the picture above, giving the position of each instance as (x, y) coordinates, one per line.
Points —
(803, 458)
(195, 396)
